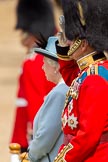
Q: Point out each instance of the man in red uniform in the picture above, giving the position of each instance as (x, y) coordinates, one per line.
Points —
(35, 20)
(85, 114)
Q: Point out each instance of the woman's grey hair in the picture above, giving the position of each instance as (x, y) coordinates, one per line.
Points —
(52, 62)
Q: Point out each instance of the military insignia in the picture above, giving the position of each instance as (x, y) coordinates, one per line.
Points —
(72, 121)
(64, 120)
(73, 92)
(62, 154)
(70, 106)
(92, 69)
(74, 89)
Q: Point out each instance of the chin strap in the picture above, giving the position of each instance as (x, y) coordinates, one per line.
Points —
(74, 47)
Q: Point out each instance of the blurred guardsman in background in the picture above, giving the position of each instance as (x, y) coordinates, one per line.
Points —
(85, 114)
(36, 21)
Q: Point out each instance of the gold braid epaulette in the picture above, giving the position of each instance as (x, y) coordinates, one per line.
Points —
(61, 156)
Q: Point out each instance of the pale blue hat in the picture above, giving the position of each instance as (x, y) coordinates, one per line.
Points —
(50, 49)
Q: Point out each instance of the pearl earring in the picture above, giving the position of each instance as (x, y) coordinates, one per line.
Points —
(55, 71)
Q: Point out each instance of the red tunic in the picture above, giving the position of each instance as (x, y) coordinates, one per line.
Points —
(85, 119)
(69, 70)
(32, 88)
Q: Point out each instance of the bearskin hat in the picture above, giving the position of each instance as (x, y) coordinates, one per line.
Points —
(35, 16)
(87, 19)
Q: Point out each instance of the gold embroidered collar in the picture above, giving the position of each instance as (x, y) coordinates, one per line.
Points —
(90, 59)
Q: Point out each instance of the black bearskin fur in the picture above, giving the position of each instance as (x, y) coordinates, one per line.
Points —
(95, 29)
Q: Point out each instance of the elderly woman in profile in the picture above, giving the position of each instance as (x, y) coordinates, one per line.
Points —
(47, 133)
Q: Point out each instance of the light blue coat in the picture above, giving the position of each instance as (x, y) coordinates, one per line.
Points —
(47, 133)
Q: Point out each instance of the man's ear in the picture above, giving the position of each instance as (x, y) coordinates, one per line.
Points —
(84, 45)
